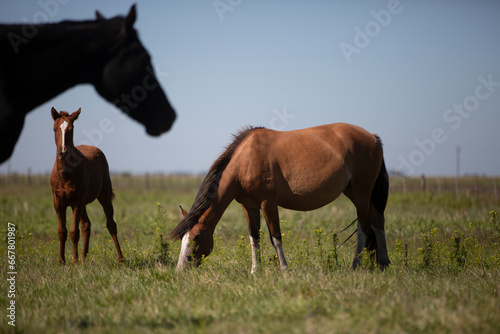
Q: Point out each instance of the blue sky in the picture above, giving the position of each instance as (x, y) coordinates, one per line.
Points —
(424, 75)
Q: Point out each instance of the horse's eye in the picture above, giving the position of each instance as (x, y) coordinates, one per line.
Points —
(197, 237)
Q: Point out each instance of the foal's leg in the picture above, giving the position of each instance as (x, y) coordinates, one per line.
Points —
(105, 200)
(253, 219)
(270, 211)
(74, 232)
(62, 231)
(85, 227)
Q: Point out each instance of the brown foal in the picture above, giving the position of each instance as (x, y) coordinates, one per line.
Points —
(80, 175)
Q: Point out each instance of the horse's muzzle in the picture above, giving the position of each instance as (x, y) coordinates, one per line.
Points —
(62, 155)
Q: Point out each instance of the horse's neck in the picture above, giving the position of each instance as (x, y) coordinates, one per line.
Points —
(73, 163)
(227, 191)
(58, 57)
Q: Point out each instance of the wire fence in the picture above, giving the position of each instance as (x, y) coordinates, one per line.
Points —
(473, 187)
(469, 186)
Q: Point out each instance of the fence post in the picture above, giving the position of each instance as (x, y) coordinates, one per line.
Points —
(422, 183)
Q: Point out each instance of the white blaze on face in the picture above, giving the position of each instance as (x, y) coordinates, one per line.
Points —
(63, 127)
(185, 250)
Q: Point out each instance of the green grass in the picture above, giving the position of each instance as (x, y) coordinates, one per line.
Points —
(444, 276)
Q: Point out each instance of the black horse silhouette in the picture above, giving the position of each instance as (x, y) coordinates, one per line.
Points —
(39, 62)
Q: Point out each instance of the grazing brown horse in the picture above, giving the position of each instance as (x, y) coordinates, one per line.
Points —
(299, 170)
(45, 60)
(80, 175)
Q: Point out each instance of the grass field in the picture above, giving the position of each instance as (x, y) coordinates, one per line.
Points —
(444, 277)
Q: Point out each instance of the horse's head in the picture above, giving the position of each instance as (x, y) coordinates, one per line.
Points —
(63, 131)
(198, 242)
(129, 82)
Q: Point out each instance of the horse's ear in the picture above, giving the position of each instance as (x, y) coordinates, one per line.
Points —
(99, 16)
(184, 212)
(205, 214)
(130, 19)
(55, 114)
(74, 116)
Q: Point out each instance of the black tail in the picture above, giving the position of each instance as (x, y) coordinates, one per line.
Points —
(380, 191)
(378, 200)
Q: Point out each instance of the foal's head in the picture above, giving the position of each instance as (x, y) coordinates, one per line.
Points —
(128, 80)
(63, 131)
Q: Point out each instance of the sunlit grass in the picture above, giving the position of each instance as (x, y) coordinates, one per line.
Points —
(443, 278)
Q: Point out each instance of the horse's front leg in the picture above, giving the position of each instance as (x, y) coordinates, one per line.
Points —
(270, 211)
(74, 232)
(253, 219)
(62, 231)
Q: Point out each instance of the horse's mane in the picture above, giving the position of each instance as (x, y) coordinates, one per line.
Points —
(203, 199)
(54, 27)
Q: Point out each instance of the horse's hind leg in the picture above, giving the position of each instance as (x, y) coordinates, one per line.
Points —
(270, 211)
(362, 204)
(371, 234)
(253, 219)
(85, 227)
(105, 200)
(377, 223)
